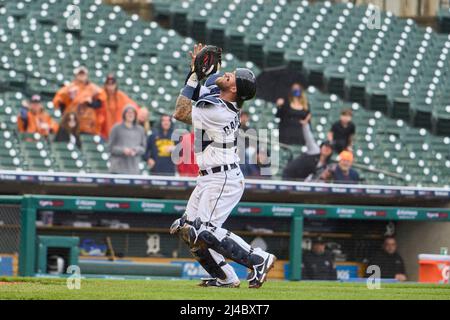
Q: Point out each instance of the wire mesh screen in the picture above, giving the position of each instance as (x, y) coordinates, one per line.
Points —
(9, 229)
(340, 249)
(331, 248)
(147, 236)
(9, 239)
(344, 249)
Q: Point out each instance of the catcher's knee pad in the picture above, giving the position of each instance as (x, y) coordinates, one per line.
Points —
(193, 230)
(186, 229)
(184, 235)
(229, 248)
(206, 260)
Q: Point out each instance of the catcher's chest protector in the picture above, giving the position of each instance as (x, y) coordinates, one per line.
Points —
(216, 124)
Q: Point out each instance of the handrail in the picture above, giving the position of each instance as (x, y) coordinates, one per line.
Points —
(356, 165)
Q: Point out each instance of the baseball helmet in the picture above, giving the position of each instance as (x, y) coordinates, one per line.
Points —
(245, 84)
(207, 61)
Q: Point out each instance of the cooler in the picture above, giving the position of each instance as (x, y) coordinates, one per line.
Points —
(434, 268)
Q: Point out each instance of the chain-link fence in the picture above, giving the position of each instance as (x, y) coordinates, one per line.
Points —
(331, 248)
(9, 238)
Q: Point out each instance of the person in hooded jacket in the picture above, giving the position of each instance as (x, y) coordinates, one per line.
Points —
(159, 148)
(127, 144)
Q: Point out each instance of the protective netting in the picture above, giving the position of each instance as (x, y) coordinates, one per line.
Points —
(331, 248)
(147, 235)
(9, 229)
(9, 239)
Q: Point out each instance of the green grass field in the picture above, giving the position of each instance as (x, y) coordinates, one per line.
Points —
(39, 288)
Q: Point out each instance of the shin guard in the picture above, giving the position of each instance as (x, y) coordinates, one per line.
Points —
(228, 244)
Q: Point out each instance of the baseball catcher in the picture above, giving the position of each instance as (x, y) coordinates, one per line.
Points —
(213, 109)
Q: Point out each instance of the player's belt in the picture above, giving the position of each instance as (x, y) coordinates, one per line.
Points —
(219, 169)
(226, 145)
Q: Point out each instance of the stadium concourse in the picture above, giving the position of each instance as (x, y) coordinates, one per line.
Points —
(404, 85)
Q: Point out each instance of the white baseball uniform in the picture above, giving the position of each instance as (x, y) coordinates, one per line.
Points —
(216, 126)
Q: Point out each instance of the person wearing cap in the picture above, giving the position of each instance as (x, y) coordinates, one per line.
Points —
(342, 132)
(311, 163)
(343, 171)
(127, 144)
(82, 97)
(318, 264)
(114, 102)
(34, 119)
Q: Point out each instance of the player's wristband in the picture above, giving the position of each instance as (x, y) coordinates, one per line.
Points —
(188, 92)
(192, 84)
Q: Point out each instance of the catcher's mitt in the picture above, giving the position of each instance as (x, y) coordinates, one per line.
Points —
(207, 61)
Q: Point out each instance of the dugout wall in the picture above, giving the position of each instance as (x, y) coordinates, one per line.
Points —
(286, 229)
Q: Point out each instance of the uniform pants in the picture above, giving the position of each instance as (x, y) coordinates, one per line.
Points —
(212, 200)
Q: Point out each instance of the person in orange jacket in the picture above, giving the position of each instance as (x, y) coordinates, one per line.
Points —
(82, 97)
(34, 119)
(114, 103)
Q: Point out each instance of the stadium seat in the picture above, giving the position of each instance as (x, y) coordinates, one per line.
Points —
(334, 46)
(400, 71)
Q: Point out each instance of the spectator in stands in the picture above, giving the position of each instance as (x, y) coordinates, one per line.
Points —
(244, 120)
(114, 102)
(69, 130)
(34, 119)
(255, 160)
(389, 260)
(290, 113)
(250, 168)
(127, 144)
(310, 164)
(343, 171)
(254, 156)
(187, 167)
(144, 119)
(342, 132)
(159, 148)
(318, 264)
(82, 97)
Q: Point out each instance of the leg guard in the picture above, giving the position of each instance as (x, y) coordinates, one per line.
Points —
(200, 251)
(204, 257)
(227, 244)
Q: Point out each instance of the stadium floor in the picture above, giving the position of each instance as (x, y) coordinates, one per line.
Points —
(26, 288)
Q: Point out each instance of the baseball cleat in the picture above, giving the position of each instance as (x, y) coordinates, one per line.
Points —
(259, 273)
(213, 282)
